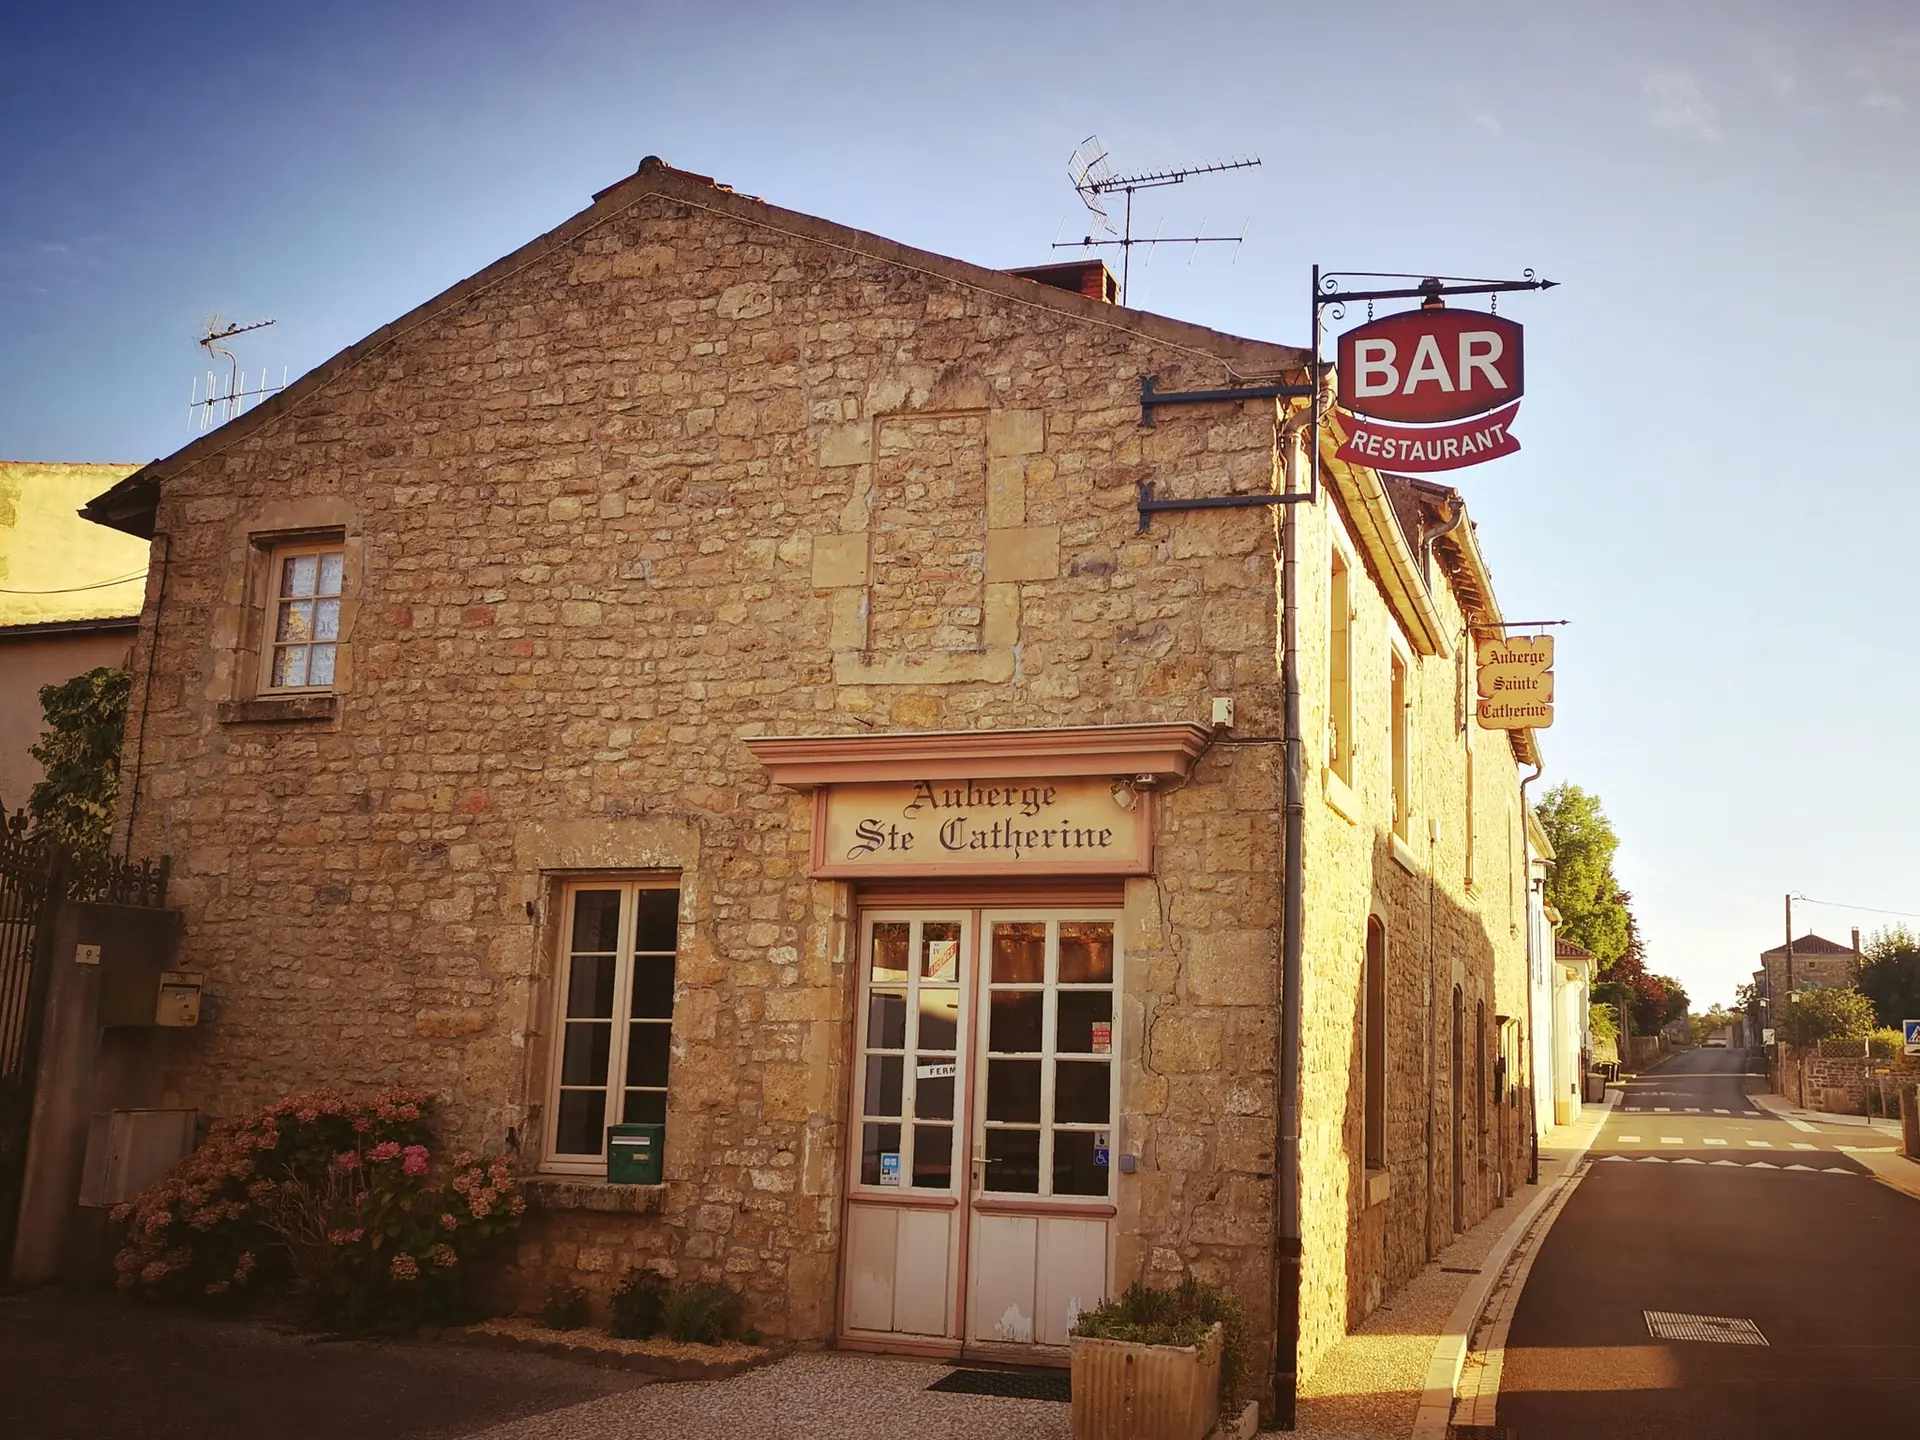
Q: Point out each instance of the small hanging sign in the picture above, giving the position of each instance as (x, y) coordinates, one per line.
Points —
(1515, 681)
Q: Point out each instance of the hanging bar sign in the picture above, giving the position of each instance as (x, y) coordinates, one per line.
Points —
(1430, 389)
(1427, 447)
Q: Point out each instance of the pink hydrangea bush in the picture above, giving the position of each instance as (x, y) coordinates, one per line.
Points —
(342, 1202)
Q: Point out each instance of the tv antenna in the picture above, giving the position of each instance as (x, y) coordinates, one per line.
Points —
(1093, 177)
(218, 405)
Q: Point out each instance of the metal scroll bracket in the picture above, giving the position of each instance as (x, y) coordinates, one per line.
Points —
(1148, 505)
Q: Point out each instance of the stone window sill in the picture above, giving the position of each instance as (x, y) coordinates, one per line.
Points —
(568, 1192)
(1403, 854)
(1340, 797)
(1379, 1186)
(272, 709)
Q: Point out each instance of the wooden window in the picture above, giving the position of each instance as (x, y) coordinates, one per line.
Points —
(614, 1021)
(1373, 1029)
(1400, 722)
(303, 619)
(1340, 670)
(1472, 872)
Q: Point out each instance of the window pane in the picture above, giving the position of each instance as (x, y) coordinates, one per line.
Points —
(1013, 1161)
(890, 942)
(332, 568)
(939, 1019)
(647, 1045)
(1085, 1022)
(296, 621)
(1013, 1023)
(933, 1156)
(1013, 1089)
(590, 987)
(596, 920)
(658, 927)
(1020, 954)
(326, 619)
(876, 1141)
(1075, 1171)
(297, 576)
(1080, 1091)
(940, 951)
(584, 1061)
(886, 1021)
(320, 665)
(1086, 952)
(582, 1122)
(883, 1084)
(933, 1099)
(653, 987)
(290, 665)
(645, 1107)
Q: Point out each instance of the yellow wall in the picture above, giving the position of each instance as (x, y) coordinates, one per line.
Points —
(46, 546)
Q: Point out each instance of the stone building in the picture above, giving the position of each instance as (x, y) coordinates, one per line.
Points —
(709, 667)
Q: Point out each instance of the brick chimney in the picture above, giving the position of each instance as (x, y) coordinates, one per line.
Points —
(1090, 278)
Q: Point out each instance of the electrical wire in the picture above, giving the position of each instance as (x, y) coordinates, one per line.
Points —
(76, 589)
(1865, 909)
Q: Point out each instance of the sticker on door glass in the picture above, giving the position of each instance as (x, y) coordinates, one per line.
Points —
(943, 961)
(1100, 1147)
(1103, 1037)
(889, 1167)
(936, 1072)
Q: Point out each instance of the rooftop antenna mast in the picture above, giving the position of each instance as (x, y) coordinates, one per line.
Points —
(1093, 177)
(218, 406)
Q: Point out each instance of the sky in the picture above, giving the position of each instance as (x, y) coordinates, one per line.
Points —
(1716, 486)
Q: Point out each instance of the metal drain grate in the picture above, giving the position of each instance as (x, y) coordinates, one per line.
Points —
(1716, 1329)
(1013, 1384)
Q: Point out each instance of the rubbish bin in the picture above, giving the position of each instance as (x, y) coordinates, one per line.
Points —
(635, 1154)
(1596, 1088)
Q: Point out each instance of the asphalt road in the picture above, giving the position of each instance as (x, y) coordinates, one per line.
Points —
(1697, 1203)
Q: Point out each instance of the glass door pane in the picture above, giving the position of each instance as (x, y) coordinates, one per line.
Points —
(1017, 964)
(912, 1019)
(587, 1027)
(1081, 1118)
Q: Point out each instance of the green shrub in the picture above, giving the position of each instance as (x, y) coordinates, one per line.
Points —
(707, 1314)
(566, 1308)
(1885, 1044)
(334, 1201)
(1180, 1316)
(639, 1306)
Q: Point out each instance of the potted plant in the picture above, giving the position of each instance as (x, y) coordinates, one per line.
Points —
(1157, 1364)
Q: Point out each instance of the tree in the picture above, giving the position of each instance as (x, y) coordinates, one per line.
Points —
(1581, 883)
(1825, 1013)
(80, 752)
(1890, 974)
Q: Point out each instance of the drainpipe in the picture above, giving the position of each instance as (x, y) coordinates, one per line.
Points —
(1286, 1357)
(1533, 1037)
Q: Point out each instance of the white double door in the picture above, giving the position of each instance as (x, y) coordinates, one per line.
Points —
(985, 1097)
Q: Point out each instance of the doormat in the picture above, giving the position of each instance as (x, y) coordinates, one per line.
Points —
(1013, 1384)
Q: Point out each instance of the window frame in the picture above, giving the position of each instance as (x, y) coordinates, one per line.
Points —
(621, 1020)
(277, 553)
(1340, 730)
(1400, 741)
(1373, 1047)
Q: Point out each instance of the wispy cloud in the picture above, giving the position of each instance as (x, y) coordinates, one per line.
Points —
(1488, 122)
(1677, 105)
(1884, 78)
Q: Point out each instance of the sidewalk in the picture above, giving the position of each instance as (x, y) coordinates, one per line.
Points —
(1879, 1150)
(1375, 1382)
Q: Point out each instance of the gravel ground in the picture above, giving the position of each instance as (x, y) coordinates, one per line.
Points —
(839, 1395)
(83, 1367)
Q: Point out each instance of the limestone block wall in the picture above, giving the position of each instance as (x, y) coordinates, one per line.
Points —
(686, 470)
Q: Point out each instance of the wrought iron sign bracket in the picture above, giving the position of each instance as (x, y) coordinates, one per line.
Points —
(1151, 398)
(1148, 505)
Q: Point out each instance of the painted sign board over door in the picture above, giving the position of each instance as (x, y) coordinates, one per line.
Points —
(1069, 825)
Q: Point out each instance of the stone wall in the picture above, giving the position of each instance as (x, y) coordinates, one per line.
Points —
(1831, 1078)
(688, 470)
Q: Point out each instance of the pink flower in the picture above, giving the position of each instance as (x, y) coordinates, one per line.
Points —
(348, 1160)
(480, 1205)
(462, 1183)
(449, 1222)
(517, 1205)
(404, 1267)
(416, 1160)
(121, 1212)
(443, 1256)
(216, 1287)
(345, 1237)
(362, 1124)
(156, 1270)
(385, 1150)
(244, 1266)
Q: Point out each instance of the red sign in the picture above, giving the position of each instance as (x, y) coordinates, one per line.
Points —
(1430, 447)
(1424, 367)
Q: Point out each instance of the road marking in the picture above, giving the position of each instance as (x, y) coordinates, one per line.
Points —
(1629, 1139)
(1653, 1159)
(1803, 1145)
(1605, 1158)
(1716, 1142)
(1631, 1109)
(1840, 1170)
(1726, 1162)
(1800, 1125)
(1693, 1109)
(1761, 1165)
(1663, 1110)
(1669, 1139)
(1761, 1144)
(1719, 1112)
(1807, 1168)
(1689, 1160)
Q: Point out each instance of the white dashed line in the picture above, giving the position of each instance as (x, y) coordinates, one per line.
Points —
(1761, 1144)
(1716, 1142)
(1629, 1139)
(1719, 1112)
(1803, 1145)
(1669, 1139)
(1662, 1110)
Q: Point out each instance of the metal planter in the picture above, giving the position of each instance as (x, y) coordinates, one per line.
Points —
(1124, 1391)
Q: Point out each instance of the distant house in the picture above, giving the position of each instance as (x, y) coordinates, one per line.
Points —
(1574, 968)
(1817, 963)
(70, 595)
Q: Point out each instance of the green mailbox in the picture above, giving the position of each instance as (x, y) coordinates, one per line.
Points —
(635, 1154)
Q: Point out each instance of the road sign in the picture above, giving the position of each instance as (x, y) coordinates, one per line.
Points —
(1910, 1031)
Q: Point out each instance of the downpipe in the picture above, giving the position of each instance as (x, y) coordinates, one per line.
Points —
(1533, 1038)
